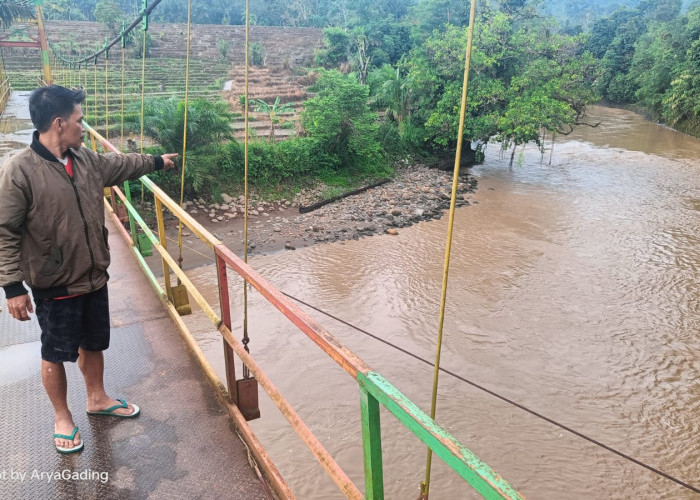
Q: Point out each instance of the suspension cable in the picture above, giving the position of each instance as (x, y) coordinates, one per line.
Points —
(95, 94)
(184, 131)
(425, 485)
(121, 129)
(106, 95)
(143, 88)
(501, 397)
(246, 340)
(85, 86)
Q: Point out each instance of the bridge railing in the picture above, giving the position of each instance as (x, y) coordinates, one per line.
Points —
(374, 389)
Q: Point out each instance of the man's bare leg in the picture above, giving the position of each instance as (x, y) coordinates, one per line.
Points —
(91, 363)
(53, 375)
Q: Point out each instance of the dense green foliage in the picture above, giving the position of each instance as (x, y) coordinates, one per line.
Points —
(525, 78)
(340, 143)
(404, 61)
(11, 10)
(208, 126)
(651, 60)
(339, 118)
(426, 15)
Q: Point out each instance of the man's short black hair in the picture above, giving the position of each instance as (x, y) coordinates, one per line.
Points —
(48, 103)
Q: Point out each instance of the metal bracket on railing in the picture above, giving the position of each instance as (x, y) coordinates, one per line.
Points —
(123, 35)
(144, 10)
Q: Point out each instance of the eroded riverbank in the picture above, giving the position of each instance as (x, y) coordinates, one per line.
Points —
(415, 194)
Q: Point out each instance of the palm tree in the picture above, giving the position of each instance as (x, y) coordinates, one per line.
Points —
(272, 111)
(208, 122)
(12, 10)
(392, 92)
(208, 125)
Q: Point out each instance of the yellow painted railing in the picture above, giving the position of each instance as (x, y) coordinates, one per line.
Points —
(5, 91)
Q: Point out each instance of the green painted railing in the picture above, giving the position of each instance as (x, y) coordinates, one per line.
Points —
(374, 389)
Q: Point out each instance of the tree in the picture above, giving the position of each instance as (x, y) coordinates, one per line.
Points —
(613, 40)
(335, 50)
(391, 91)
(428, 16)
(525, 77)
(339, 118)
(682, 103)
(109, 13)
(362, 58)
(273, 111)
(208, 125)
(12, 10)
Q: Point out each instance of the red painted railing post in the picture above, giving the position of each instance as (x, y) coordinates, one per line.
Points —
(226, 320)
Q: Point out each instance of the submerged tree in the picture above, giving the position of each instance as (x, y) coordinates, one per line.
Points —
(525, 77)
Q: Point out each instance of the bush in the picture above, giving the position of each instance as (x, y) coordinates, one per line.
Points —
(336, 47)
(272, 163)
(223, 46)
(340, 119)
(257, 54)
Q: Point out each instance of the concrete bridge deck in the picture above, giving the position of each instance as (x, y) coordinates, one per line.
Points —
(183, 444)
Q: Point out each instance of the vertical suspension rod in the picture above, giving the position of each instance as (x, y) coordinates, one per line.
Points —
(425, 485)
(246, 340)
(184, 132)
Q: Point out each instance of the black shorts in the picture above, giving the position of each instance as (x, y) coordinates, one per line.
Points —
(67, 324)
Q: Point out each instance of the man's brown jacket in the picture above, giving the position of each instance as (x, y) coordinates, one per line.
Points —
(52, 232)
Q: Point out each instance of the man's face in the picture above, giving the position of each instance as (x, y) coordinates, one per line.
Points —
(71, 129)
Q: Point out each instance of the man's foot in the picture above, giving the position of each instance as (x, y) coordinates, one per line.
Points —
(66, 437)
(113, 408)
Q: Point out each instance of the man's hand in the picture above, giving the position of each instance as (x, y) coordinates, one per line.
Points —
(20, 307)
(168, 160)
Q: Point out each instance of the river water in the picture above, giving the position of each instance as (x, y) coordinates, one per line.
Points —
(573, 290)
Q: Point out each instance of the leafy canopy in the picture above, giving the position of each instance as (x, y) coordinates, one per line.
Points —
(339, 118)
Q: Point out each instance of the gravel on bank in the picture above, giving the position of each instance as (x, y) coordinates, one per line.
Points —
(417, 193)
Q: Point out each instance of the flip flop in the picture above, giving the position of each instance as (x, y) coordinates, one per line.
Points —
(74, 449)
(110, 411)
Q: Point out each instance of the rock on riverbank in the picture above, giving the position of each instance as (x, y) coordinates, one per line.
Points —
(416, 194)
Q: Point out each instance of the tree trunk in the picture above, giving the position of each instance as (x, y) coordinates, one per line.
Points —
(554, 138)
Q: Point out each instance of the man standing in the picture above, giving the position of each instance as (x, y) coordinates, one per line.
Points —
(52, 236)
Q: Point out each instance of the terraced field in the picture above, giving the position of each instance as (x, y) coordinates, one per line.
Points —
(165, 77)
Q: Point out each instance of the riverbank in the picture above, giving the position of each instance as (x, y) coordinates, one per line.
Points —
(415, 194)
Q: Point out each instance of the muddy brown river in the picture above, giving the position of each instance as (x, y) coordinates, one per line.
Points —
(574, 290)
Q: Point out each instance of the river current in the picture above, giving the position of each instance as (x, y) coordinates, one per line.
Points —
(573, 289)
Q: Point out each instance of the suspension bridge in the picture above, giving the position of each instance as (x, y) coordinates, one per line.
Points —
(183, 443)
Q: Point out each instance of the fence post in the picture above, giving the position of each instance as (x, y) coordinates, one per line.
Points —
(372, 446)
(164, 243)
(226, 319)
